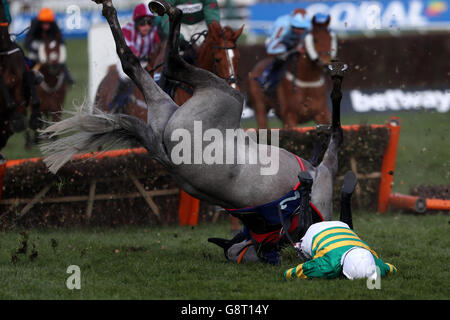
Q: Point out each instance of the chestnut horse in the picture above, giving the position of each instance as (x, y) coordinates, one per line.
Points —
(217, 54)
(301, 95)
(52, 90)
(136, 105)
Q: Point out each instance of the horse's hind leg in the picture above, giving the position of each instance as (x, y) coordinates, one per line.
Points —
(322, 191)
(160, 106)
(175, 67)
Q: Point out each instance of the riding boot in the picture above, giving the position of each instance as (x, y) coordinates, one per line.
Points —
(348, 188)
(67, 75)
(270, 77)
(121, 94)
(226, 244)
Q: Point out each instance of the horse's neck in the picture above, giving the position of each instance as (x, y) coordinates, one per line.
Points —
(205, 56)
(306, 69)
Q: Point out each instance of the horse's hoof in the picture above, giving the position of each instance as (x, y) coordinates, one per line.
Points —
(337, 68)
(349, 184)
(160, 7)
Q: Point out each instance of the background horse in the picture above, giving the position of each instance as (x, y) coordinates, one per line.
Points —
(16, 85)
(218, 54)
(52, 90)
(301, 95)
(135, 105)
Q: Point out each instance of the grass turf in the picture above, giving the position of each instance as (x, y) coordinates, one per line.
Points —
(178, 263)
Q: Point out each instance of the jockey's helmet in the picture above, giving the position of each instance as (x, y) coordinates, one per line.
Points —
(358, 263)
(321, 18)
(46, 15)
(142, 14)
(299, 19)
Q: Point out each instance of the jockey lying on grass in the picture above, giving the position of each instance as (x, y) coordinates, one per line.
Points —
(334, 249)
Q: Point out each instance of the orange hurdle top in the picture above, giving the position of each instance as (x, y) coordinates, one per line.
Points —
(97, 154)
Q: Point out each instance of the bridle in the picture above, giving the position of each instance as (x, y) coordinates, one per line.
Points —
(232, 79)
(313, 56)
(229, 50)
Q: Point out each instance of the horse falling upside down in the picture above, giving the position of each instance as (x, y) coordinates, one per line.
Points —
(300, 96)
(216, 107)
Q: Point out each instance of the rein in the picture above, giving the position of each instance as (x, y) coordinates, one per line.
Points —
(232, 79)
(7, 53)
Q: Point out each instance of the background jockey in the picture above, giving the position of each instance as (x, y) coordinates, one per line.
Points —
(285, 35)
(43, 27)
(142, 37)
(197, 16)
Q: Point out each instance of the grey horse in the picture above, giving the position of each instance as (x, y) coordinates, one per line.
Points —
(216, 106)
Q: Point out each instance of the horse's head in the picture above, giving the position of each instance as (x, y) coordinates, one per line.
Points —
(52, 55)
(219, 54)
(320, 42)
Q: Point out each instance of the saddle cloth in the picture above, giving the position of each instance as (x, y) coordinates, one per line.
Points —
(262, 223)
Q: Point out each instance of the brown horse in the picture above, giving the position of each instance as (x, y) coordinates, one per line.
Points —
(136, 105)
(301, 95)
(16, 85)
(217, 54)
(52, 90)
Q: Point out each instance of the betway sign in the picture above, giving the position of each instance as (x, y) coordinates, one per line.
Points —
(397, 99)
(362, 15)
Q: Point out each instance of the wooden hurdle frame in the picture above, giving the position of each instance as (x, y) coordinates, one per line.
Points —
(188, 210)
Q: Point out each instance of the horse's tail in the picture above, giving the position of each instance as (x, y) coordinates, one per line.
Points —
(84, 132)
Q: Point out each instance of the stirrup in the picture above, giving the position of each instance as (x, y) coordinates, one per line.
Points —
(160, 7)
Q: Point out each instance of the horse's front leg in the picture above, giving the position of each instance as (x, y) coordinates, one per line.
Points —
(322, 191)
(160, 106)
